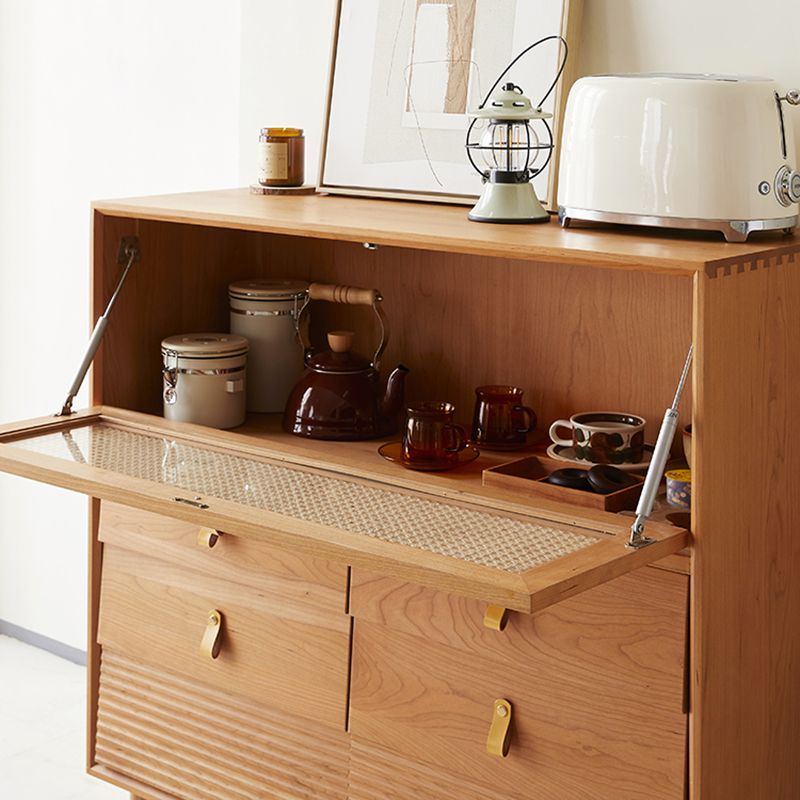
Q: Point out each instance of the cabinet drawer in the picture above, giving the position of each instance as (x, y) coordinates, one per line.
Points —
(292, 578)
(596, 685)
(270, 652)
(158, 730)
(647, 609)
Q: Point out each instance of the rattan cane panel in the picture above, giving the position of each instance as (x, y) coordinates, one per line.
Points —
(481, 537)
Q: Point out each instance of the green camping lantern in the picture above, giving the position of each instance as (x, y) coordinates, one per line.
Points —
(508, 154)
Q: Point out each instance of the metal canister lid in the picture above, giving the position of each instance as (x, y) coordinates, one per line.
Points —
(205, 345)
(267, 289)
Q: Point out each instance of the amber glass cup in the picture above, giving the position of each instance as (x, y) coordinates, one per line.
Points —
(500, 421)
(431, 439)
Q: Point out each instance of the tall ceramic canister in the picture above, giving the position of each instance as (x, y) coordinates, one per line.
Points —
(266, 312)
(204, 377)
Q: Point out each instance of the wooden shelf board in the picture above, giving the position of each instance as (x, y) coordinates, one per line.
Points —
(436, 227)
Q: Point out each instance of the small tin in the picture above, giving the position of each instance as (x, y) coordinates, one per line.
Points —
(204, 377)
(679, 488)
(266, 311)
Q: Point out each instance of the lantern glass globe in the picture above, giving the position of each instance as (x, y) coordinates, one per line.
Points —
(509, 146)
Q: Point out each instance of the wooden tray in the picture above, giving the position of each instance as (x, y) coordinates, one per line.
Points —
(527, 475)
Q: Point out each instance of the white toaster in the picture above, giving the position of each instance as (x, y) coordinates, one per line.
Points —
(708, 152)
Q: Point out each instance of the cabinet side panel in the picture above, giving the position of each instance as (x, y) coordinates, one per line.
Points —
(746, 572)
(95, 551)
(107, 232)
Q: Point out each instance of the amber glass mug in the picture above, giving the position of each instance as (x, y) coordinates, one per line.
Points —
(431, 439)
(500, 421)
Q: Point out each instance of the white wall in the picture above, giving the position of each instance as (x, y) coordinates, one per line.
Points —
(101, 99)
(285, 56)
(97, 99)
(728, 36)
(284, 77)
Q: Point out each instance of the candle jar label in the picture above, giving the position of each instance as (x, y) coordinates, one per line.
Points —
(273, 161)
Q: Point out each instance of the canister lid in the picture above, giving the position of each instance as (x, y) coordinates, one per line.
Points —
(205, 345)
(267, 289)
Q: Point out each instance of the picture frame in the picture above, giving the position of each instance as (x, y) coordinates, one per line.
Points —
(378, 142)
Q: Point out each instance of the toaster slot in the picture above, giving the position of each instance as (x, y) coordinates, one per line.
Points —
(779, 104)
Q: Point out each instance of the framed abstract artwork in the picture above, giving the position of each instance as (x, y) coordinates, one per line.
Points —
(404, 76)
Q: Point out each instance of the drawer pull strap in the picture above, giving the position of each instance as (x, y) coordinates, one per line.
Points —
(500, 729)
(212, 638)
(208, 537)
(495, 618)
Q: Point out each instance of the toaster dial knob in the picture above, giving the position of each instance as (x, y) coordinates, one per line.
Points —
(787, 186)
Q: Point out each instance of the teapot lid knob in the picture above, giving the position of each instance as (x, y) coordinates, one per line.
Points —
(340, 341)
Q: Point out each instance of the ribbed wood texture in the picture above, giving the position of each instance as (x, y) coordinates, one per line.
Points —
(198, 743)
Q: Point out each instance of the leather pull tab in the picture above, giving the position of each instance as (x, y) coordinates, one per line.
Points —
(495, 618)
(208, 537)
(212, 638)
(499, 731)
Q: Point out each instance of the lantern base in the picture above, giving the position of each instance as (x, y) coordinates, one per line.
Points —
(509, 203)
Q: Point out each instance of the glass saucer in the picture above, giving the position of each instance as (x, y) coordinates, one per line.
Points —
(393, 451)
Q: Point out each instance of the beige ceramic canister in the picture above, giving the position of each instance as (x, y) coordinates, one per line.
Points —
(204, 378)
(266, 312)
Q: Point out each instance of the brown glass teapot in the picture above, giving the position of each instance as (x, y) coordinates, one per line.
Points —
(341, 395)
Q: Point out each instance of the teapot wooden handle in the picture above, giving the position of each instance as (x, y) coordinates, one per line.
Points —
(351, 295)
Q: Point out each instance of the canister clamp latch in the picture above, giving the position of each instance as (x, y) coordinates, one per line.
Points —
(170, 373)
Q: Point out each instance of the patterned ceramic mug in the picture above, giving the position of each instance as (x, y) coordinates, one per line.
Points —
(603, 437)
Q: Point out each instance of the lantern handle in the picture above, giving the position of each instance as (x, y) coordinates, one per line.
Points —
(524, 52)
(549, 151)
(541, 102)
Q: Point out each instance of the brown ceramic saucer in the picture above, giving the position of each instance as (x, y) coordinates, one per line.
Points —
(561, 453)
(393, 451)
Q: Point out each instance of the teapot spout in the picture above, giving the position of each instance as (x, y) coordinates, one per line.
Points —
(394, 393)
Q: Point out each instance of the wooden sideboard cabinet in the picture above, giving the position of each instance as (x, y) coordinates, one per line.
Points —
(275, 617)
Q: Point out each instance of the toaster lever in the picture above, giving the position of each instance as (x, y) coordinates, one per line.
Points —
(792, 97)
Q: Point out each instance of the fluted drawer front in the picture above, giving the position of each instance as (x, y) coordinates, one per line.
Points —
(199, 743)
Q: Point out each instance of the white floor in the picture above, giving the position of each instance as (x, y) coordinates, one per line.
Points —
(42, 728)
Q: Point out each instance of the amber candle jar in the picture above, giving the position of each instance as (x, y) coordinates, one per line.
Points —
(281, 157)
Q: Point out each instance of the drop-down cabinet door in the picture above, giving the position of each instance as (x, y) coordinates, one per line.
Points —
(490, 549)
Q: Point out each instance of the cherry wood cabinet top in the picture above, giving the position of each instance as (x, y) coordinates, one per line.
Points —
(425, 226)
